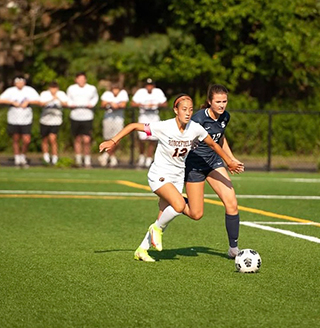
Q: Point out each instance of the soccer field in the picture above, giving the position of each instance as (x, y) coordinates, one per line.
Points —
(68, 238)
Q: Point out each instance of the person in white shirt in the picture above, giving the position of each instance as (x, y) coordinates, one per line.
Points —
(114, 102)
(52, 101)
(19, 98)
(148, 99)
(82, 99)
(175, 137)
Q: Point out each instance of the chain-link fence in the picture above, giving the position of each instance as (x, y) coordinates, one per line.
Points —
(263, 140)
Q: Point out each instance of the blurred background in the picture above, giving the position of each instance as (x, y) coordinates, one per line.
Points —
(265, 52)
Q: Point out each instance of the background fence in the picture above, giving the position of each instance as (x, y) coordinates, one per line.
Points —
(263, 140)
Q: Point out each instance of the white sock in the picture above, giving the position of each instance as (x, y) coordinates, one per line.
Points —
(46, 157)
(23, 159)
(54, 159)
(17, 159)
(166, 217)
(78, 159)
(146, 242)
(87, 160)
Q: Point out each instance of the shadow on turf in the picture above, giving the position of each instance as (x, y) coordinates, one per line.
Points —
(171, 254)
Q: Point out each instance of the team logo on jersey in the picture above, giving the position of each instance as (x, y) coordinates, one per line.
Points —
(161, 179)
(223, 124)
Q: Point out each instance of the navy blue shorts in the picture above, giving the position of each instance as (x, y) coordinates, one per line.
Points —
(81, 127)
(18, 129)
(192, 174)
(45, 130)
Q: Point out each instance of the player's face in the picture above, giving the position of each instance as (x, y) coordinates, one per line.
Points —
(20, 84)
(184, 111)
(149, 87)
(81, 80)
(115, 91)
(219, 103)
(53, 90)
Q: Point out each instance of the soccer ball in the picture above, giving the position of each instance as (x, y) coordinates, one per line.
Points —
(248, 261)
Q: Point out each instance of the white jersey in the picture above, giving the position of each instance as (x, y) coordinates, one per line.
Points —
(52, 111)
(109, 97)
(150, 101)
(82, 98)
(19, 115)
(174, 145)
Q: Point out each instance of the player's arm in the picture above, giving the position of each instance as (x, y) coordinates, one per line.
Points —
(225, 146)
(233, 165)
(109, 144)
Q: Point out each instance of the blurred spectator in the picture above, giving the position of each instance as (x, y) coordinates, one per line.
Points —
(19, 98)
(52, 101)
(82, 99)
(114, 101)
(148, 99)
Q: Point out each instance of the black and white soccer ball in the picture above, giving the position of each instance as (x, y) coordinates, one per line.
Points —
(248, 261)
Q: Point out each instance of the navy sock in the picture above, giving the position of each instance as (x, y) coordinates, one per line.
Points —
(232, 225)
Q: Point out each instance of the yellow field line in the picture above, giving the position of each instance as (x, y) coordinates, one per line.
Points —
(140, 186)
(74, 196)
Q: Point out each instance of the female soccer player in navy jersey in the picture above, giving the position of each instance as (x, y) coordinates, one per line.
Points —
(166, 174)
(203, 164)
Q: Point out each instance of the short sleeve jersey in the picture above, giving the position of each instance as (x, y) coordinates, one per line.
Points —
(51, 112)
(108, 96)
(149, 101)
(81, 97)
(19, 115)
(174, 145)
(203, 157)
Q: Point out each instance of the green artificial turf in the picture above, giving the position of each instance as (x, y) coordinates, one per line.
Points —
(68, 262)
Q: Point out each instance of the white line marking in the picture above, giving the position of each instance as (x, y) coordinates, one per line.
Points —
(90, 193)
(284, 232)
(285, 223)
(57, 192)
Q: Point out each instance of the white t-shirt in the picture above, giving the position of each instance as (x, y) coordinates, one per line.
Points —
(19, 115)
(81, 98)
(108, 96)
(156, 97)
(174, 145)
(52, 111)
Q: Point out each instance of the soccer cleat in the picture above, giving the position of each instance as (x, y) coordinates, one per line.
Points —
(156, 237)
(142, 255)
(233, 252)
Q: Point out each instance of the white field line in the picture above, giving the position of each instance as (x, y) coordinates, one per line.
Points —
(285, 223)
(92, 193)
(284, 232)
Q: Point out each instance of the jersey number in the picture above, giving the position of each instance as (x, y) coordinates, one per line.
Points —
(182, 152)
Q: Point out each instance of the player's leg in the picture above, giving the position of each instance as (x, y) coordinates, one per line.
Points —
(220, 182)
(26, 139)
(150, 152)
(45, 149)
(195, 194)
(86, 139)
(16, 148)
(54, 147)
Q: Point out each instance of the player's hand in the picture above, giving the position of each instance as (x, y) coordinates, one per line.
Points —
(236, 167)
(106, 145)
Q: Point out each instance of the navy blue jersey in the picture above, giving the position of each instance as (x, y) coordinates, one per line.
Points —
(203, 157)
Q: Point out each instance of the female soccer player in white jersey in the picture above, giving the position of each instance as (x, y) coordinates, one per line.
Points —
(166, 174)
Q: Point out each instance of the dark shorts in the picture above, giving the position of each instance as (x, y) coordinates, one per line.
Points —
(45, 130)
(81, 128)
(193, 174)
(18, 129)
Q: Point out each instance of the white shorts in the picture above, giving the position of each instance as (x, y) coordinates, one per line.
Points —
(147, 118)
(111, 126)
(156, 179)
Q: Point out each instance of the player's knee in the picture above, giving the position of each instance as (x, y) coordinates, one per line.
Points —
(196, 215)
(179, 206)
